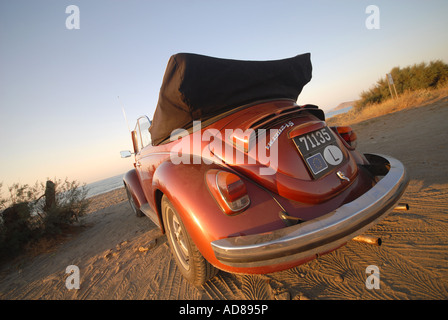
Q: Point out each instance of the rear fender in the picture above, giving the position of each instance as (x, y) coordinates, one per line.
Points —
(186, 188)
(181, 183)
(130, 179)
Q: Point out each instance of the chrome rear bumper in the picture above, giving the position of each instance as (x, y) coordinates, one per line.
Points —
(321, 234)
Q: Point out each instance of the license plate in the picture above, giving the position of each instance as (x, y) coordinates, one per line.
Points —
(320, 151)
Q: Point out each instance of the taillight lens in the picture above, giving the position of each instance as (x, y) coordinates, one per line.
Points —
(228, 190)
(348, 135)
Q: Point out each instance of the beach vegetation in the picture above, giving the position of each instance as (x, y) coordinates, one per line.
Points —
(33, 214)
(417, 85)
(420, 76)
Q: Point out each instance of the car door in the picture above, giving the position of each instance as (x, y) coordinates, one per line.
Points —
(143, 166)
(148, 158)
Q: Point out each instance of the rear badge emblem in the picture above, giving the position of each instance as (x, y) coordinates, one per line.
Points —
(342, 176)
(278, 133)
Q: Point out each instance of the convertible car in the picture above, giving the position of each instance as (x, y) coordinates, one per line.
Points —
(241, 178)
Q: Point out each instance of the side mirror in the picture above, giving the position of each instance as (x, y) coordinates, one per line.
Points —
(125, 154)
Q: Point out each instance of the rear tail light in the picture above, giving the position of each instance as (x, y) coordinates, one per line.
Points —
(228, 190)
(348, 135)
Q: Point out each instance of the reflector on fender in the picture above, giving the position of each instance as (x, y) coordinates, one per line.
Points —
(228, 190)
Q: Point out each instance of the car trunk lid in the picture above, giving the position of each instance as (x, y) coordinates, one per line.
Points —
(287, 149)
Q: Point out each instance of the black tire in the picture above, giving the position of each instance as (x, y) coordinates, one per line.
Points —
(134, 208)
(193, 266)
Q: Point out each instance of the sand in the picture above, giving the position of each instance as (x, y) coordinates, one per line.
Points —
(121, 256)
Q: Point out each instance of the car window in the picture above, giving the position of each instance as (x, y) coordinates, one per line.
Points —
(144, 136)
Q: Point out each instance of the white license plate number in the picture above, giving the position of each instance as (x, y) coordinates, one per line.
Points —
(320, 151)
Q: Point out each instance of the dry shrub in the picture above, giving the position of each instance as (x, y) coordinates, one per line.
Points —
(420, 76)
(34, 214)
(409, 99)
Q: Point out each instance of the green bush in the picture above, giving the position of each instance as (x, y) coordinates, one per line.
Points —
(33, 212)
(411, 78)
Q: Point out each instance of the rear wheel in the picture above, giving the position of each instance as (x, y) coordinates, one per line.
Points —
(194, 267)
(134, 208)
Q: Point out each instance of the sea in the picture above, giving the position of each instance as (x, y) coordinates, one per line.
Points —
(336, 112)
(105, 185)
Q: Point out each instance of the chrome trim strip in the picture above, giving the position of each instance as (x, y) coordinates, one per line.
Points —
(321, 234)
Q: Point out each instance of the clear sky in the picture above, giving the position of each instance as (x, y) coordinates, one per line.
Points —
(59, 111)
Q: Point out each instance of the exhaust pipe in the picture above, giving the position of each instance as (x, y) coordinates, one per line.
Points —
(402, 207)
(368, 239)
(374, 240)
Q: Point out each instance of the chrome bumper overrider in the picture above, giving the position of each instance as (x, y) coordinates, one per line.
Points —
(321, 234)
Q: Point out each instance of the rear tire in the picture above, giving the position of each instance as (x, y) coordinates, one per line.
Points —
(134, 208)
(193, 266)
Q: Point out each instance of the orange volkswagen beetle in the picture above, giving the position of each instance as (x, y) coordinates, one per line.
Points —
(242, 179)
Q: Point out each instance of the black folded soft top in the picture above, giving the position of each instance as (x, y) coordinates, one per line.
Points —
(197, 87)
